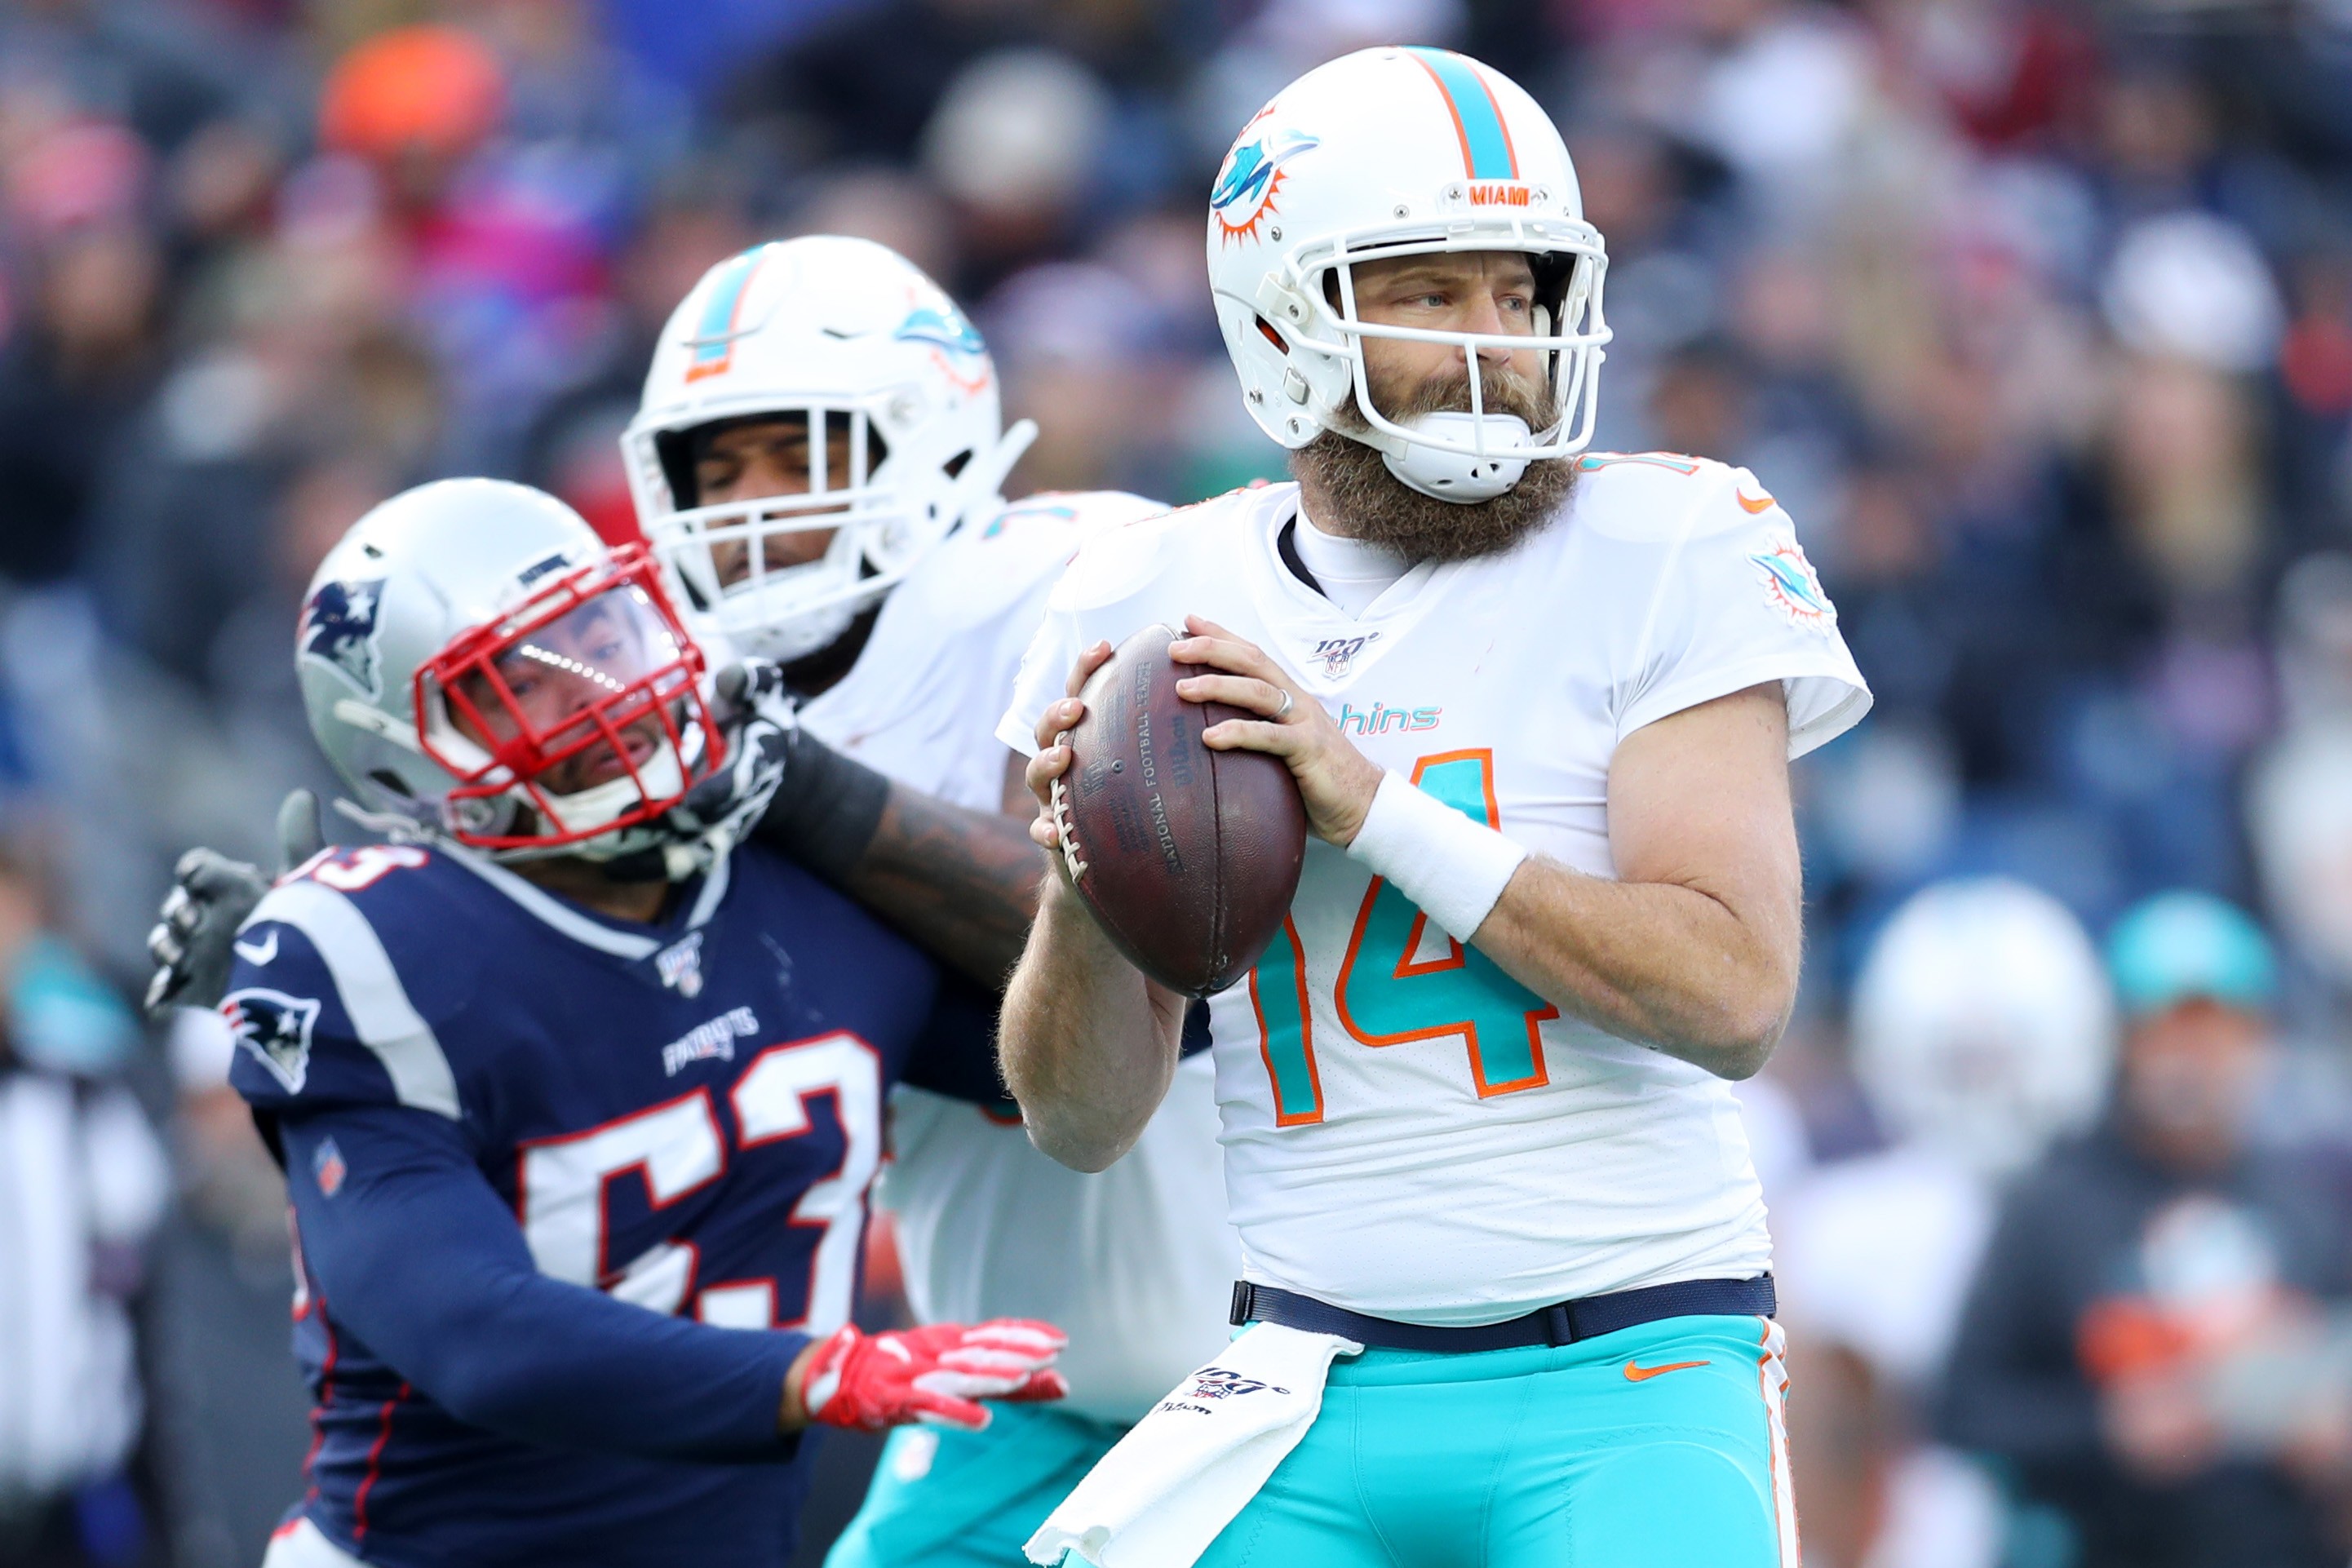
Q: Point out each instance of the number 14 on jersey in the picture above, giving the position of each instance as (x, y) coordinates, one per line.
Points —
(1391, 991)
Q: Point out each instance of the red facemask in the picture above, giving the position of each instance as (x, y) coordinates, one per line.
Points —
(588, 683)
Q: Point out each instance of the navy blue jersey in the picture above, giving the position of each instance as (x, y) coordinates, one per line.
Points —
(570, 1193)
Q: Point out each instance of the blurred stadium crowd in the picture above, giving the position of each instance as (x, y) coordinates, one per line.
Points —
(2036, 314)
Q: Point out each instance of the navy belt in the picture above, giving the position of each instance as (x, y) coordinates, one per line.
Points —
(1564, 1324)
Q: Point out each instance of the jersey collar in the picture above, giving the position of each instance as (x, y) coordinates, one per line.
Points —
(589, 930)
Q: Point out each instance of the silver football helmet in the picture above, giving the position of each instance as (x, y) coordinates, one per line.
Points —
(474, 660)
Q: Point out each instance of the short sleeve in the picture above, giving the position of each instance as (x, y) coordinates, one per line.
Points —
(1735, 604)
(319, 1016)
(1044, 675)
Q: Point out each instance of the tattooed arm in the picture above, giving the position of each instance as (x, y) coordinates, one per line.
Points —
(959, 883)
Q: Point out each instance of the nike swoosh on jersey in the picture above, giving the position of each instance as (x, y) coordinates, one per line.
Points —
(1636, 1372)
(1756, 504)
(260, 952)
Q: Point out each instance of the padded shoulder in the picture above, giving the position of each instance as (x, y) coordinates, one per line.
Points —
(1074, 515)
(1115, 561)
(989, 568)
(347, 974)
(1663, 497)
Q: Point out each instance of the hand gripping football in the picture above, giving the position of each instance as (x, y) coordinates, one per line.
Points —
(1187, 856)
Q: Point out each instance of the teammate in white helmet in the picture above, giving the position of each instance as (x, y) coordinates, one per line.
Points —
(1479, 1139)
(883, 568)
(1982, 1031)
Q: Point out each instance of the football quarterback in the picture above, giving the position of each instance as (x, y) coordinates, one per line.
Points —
(1540, 703)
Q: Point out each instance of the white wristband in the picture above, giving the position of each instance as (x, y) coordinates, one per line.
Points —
(1452, 867)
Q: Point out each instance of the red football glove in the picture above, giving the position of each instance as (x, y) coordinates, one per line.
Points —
(876, 1381)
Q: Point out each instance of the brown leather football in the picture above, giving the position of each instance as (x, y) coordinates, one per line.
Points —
(1187, 856)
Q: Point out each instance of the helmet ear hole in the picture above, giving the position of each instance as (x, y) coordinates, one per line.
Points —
(1272, 336)
(956, 465)
(390, 784)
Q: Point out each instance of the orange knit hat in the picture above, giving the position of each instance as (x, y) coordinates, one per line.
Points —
(434, 87)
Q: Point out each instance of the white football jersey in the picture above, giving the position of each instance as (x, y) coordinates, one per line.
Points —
(1408, 1131)
(1135, 1264)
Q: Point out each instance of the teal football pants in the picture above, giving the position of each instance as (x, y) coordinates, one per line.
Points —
(1656, 1446)
(971, 1499)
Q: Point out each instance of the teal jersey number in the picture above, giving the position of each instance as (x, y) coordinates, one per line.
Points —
(1387, 998)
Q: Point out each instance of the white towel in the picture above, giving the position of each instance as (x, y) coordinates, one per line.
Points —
(1160, 1498)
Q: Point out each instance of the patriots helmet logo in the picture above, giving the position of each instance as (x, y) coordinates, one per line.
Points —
(338, 626)
(1245, 187)
(942, 326)
(275, 1028)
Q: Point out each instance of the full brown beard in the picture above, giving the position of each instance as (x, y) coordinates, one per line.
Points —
(1352, 482)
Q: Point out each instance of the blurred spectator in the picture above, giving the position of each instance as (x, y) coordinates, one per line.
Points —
(2300, 816)
(2128, 1271)
(84, 352)
(1981, 1030)
(232, 1406)
(1015, 144)
(862, 87)
(1076, 352)
(82, 1184)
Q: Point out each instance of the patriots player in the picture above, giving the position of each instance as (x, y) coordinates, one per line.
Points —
(1539, 704)
(578, 1161)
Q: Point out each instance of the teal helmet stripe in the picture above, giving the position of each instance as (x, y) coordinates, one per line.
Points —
(714, 334)
(1487, 150)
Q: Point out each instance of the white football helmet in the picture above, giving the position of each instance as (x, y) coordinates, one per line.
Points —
(1982, 1023)
(1401, 152)
(844, 334)
(471, 646)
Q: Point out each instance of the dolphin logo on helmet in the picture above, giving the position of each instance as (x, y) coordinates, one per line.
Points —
(1418, 152)
(943, 327)
(1244, 190)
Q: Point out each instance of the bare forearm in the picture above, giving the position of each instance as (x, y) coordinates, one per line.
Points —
(962, 884)
(1668, 965)
(1087, 1048)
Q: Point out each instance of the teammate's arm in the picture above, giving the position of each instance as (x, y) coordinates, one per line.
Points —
(962, 884)
(1693, 949)
(1088, 1044)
